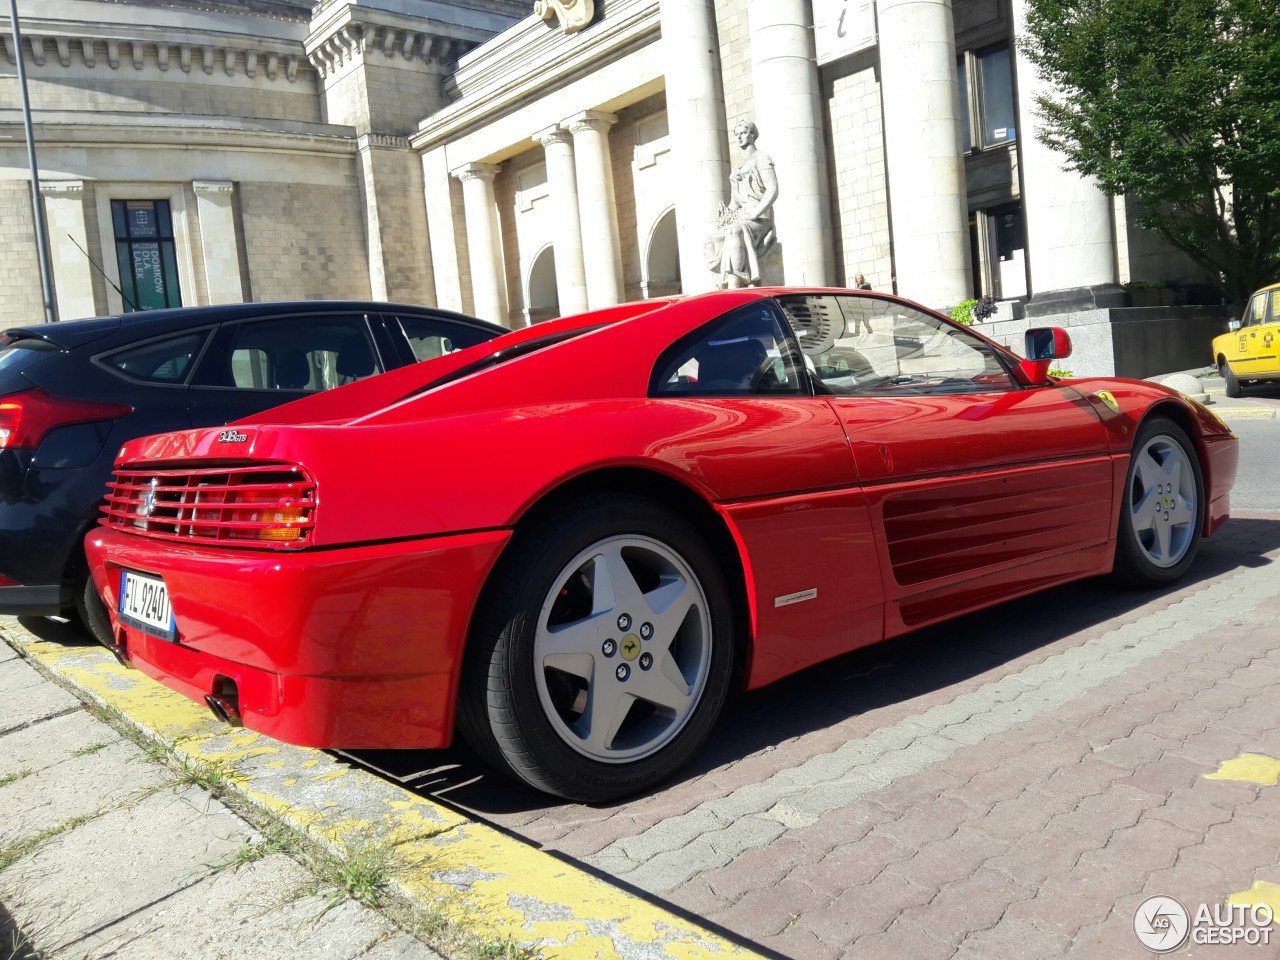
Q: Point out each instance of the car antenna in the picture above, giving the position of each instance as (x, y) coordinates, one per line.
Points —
(94, 263)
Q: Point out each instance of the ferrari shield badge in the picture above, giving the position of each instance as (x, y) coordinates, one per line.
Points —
(1107, 398)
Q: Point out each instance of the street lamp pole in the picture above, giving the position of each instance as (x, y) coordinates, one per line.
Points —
(46, 274)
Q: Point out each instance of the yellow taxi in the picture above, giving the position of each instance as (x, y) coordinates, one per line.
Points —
(1251, 350)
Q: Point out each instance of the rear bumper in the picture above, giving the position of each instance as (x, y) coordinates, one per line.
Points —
(42, 601)
(351, 648)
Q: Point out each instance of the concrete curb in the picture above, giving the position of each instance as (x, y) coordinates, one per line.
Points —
(490, 884)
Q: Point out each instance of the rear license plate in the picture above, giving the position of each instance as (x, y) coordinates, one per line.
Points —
(144, 603)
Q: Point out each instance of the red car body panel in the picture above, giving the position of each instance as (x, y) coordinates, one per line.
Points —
(352, 648)
(893, 512)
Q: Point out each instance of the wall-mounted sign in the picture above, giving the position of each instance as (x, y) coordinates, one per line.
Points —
(843, 27)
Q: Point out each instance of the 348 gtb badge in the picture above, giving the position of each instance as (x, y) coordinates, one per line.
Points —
(692, 496)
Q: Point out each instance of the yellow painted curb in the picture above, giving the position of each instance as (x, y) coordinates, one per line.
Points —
(491, 885)
(1250, 768)
(1244, 413)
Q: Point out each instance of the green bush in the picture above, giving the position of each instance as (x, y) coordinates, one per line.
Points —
(962, 312)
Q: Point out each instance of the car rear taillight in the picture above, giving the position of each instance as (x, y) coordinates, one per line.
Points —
(275, 521)
(27, 417)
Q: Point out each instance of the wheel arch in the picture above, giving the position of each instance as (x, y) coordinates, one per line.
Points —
(680, 497)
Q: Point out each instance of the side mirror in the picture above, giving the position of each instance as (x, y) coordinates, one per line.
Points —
(1043, 346)
(1047, 343)
(1233, 326)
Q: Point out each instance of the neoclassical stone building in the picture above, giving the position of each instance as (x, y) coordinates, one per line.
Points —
(519, 159)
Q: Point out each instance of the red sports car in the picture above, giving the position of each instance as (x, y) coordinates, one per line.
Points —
(574, 542)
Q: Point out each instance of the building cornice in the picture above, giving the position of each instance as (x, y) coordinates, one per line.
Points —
(77, 44)
(79, 130)
(531, 58)
(352, 33)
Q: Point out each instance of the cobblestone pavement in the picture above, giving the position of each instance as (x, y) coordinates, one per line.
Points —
(1013, 784)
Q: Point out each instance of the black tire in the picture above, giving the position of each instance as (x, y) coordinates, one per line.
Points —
(531, 719)
(1229, 378)
(1161, 509)
(92, 613)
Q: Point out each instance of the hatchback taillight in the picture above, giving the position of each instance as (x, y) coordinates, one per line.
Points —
(27, 417)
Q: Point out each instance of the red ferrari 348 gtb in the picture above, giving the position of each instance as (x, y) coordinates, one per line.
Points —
(574, 542)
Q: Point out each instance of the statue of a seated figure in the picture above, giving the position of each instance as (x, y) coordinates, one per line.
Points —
(745, 233)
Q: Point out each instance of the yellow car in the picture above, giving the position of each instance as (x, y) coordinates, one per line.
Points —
(1251, 351)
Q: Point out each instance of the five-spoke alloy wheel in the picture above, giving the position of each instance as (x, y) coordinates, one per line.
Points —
(1161, 511)
(602, 651)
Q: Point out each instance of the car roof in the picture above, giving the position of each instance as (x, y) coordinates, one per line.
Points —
(68, 334)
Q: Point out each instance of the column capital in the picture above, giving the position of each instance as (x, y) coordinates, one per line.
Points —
(476, 171)
(204, 188)
(552, 135)
(61, 188)
(590, 120)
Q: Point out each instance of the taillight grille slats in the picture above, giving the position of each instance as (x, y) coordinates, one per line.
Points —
(255, 504)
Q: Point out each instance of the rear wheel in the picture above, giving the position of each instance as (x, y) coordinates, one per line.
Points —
(1229, 378)
(603, 650)
(92, 612)
(1161, 510)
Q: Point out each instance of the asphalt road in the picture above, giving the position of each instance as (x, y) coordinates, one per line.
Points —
(1258, 482)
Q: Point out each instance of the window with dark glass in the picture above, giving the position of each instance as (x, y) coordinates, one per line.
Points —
(145, 254)
(987, 112)
(745, 353)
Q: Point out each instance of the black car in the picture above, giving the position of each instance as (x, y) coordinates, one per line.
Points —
(71, 393)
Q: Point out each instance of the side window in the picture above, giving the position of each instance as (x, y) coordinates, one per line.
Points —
(1256, 312)
(161, 361)
(433, 338)
(301, 353)
(869, 346)
(1275, 306)
(745, 353)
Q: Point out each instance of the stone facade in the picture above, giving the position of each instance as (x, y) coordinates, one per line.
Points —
(497, 161)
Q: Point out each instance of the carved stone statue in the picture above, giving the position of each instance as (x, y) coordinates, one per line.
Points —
(745, 233)
(573, 14)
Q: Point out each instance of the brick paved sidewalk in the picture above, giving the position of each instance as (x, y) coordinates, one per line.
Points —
(1013, 784)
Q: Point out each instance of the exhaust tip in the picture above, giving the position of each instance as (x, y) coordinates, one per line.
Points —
(216, 705)
(225, 703)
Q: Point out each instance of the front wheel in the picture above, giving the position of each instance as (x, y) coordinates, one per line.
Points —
(1161, 510)
(602, 653)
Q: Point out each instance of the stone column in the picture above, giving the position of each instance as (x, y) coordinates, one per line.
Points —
(698, 130)
(484, 245)
(215, 209)
(442, 197)
(927, 192)
(601, 249)
(1070, 238)
(571, 276)
(72, 271)
(788, 111)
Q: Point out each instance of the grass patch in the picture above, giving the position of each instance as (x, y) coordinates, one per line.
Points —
(276, 838)
(216, 778)
(16, 946)
(90, 749)
(11, 853)
(8, 778)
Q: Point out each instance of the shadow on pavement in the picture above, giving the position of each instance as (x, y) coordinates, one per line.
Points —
(828, 693)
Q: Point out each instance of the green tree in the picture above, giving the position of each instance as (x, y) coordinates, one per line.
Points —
(1177, 104)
